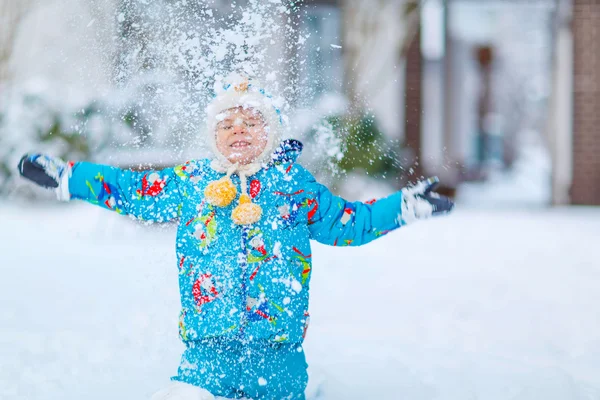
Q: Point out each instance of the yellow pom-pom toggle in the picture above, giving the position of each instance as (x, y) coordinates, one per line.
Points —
(245, 199)
(246, 212)
(220, 193)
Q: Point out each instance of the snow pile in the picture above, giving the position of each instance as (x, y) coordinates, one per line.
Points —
(475, 305)
(527, 184)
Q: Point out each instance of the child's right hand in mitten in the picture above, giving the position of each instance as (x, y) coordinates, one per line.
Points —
(48, 172)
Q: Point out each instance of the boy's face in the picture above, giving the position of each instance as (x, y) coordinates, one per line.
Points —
(241, 135)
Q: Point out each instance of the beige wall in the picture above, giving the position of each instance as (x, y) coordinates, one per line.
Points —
(374, 32)
(560, 113)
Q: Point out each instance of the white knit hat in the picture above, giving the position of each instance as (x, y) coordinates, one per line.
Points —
(239, 91)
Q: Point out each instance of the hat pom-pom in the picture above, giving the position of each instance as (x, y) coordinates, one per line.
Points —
(220, 193)
(246, 213)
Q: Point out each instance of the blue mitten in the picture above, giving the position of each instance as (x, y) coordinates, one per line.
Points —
(420, 201)
(48, 172)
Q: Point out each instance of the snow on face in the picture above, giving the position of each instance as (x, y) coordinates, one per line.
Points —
(241, 135)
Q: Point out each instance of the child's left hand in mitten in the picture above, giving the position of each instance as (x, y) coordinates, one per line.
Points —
(420, 201)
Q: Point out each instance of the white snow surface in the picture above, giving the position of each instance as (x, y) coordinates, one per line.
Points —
(477, 305)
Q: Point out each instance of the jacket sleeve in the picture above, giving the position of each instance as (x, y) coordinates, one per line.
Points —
(147, 195)
(337, 222)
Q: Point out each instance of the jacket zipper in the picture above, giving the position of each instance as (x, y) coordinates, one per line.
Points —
(244, 267)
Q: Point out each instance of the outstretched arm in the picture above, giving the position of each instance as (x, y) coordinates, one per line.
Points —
(147, 195)
(338, 222)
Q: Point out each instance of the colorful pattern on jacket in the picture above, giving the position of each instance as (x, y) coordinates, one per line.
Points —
(245, 281)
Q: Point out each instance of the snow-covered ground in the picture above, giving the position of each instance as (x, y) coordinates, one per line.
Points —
(478, 305)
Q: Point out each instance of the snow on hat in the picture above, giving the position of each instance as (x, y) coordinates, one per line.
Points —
(239, 91)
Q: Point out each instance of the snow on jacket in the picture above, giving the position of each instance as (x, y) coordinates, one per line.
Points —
(241, 281)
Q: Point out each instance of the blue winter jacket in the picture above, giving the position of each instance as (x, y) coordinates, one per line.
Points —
(241, 281)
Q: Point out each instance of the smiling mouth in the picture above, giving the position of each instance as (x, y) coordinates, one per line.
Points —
(240, 144)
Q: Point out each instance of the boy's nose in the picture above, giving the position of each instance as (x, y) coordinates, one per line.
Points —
(238, 128)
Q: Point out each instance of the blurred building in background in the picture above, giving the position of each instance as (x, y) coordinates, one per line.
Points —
(575, 114)
(460, 89)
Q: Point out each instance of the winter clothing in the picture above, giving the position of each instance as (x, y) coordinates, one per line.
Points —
(48, 172)
(239, 91)
(247, 281)
(222, 192)
(255, 369)
(420, 201)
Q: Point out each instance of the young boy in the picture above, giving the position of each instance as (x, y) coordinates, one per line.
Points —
(243, 242)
